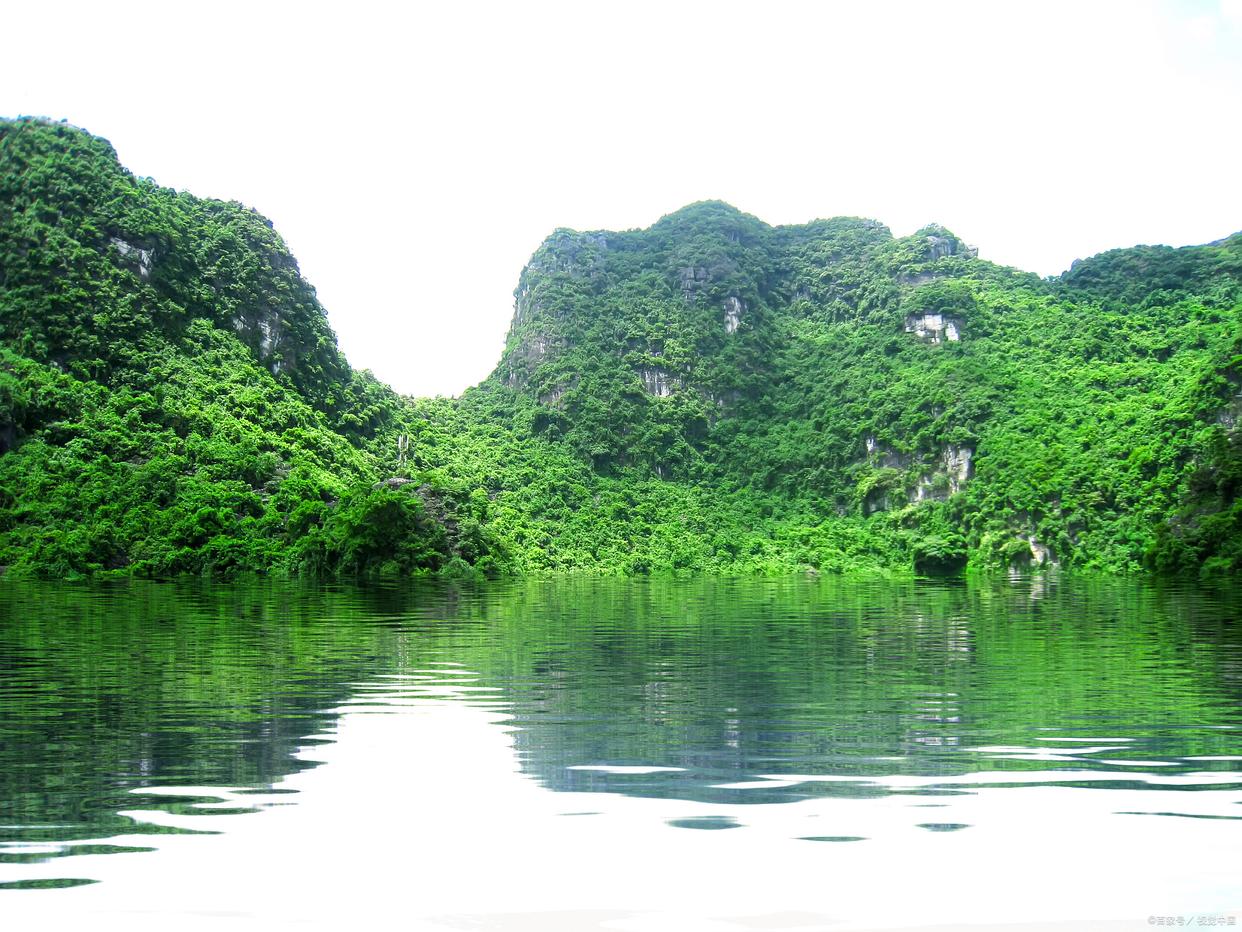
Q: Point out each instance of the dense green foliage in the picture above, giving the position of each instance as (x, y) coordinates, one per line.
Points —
(711, 394)
(171, 396)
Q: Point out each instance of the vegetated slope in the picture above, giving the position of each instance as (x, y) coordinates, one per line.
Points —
(171, 396)
(899, 396)
(711, 394)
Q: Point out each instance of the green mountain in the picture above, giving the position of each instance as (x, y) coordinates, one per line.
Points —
(711, 394)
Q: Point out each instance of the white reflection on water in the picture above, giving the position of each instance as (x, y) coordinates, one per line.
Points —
(422, 819)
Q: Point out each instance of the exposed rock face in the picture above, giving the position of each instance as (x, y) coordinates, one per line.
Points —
(144, 258)
(395, 482)
(879, 500)
(522, 361)
(576, 254)
(263, 330)
(880, 454)
(1040, 554)
(956, 470)
(733, 311)
(940, 246)
(948, 477)
(693, 279)
(958, 465)
(934, 328)
(535, 332)
(658, 382)
(926, 490)
(534, 344)
(875, 501)
(696, 280)
(1231, 416)
(268, 334)
(523, 305)
(722, 399)
(553, 397)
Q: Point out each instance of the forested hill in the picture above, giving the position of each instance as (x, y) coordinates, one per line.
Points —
(711, 394)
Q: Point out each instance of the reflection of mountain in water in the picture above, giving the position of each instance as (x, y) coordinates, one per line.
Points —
(107, 690)
(110, 689)
(728, 680)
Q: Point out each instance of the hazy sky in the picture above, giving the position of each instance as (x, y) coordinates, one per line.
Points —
(413, 157)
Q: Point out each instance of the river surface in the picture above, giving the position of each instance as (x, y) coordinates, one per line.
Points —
(715, 755)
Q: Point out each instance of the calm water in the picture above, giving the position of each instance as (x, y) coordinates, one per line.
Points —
(715, 755)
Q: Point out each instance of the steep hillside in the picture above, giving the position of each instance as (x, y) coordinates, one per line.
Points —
(981, 412)
(711, 394)
(171, 396)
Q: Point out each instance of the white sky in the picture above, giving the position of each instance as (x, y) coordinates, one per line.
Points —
(413, 157)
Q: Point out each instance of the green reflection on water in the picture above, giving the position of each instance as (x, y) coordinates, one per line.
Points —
(107, 690)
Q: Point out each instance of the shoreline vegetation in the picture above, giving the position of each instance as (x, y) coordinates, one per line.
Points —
(710, 395)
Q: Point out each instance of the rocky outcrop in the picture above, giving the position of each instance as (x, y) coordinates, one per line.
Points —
(263, 330)
(554, 396)
(523, 305)
(722, 399)
(934, 328)
(879, 500)
(572, 253)
(1041, 555)
(956, 469)
(947, 477)
(394, 482)
(1231, 416)
(693, 279)
(941, 243)
(143, 259)
(939, 246)
(1019, 547)
(659, 382)
(531, 342)
(958, 465)
(696, 279)
(536, 330)
(521, 362)
(883, 456)
(1034, 554)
